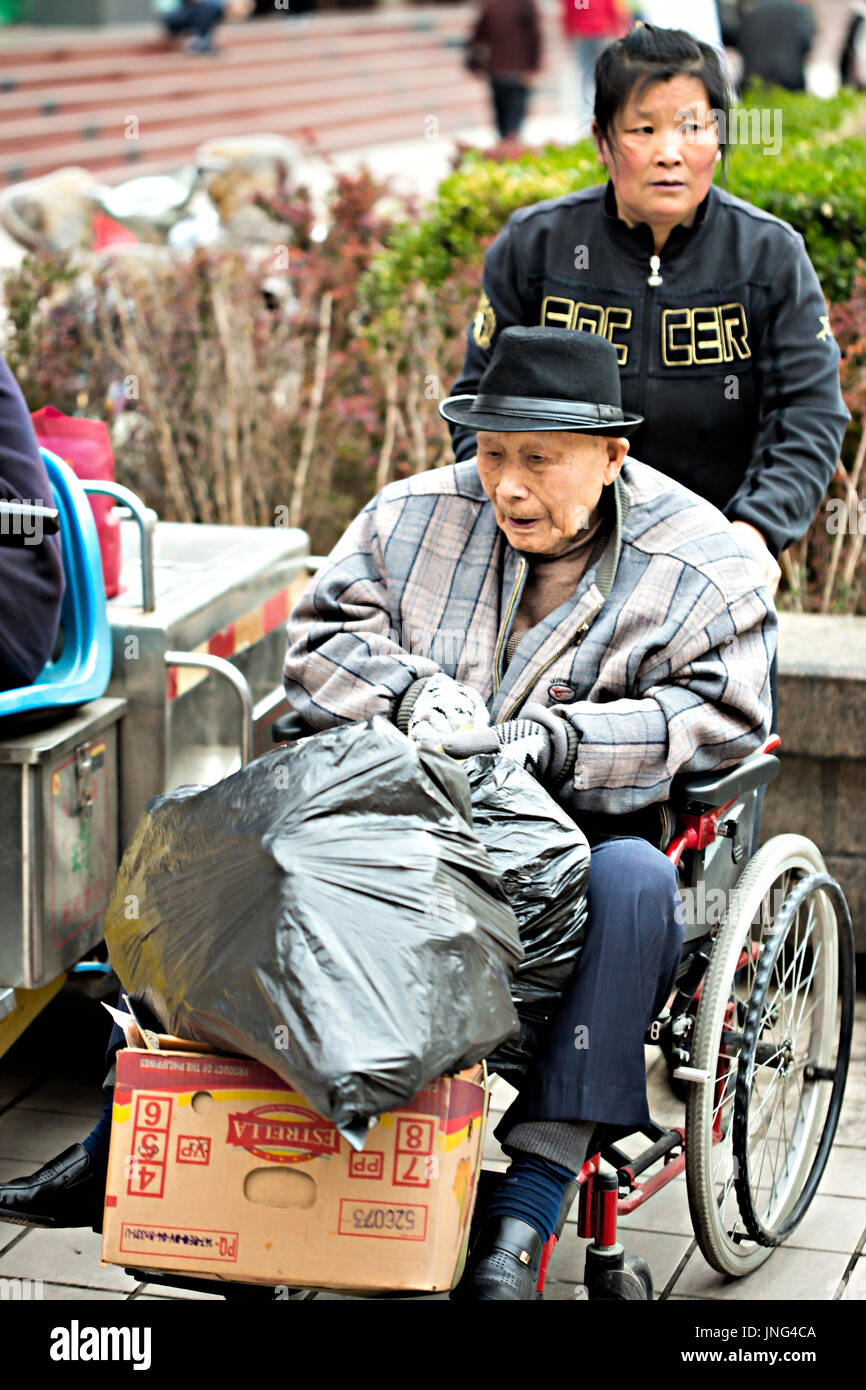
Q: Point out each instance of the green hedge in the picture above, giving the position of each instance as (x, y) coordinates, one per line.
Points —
(816, 181)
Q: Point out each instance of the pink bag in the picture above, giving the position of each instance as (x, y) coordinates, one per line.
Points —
(86, 446)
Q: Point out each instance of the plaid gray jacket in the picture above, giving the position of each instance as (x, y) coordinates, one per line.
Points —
(660, 659)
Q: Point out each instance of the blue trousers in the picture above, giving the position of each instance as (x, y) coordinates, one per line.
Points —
(592, 1066)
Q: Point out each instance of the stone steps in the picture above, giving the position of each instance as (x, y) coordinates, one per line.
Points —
(348, 80)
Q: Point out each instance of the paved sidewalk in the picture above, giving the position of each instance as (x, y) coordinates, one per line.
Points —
(44, 1108)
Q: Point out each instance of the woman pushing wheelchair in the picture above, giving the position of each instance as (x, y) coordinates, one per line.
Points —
(603, 626)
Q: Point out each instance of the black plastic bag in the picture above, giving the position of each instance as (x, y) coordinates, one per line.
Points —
(542, 858)
(327, 910)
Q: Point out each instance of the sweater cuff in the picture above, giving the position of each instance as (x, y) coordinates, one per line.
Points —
(406, 705)
(571, 756)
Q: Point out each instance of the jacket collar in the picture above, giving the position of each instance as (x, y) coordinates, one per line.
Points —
(638, 241)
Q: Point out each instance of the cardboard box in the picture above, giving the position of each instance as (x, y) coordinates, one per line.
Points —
(217, 1167)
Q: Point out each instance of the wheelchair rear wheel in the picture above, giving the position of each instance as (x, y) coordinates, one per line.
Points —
(773, 1034)
(792, 1072)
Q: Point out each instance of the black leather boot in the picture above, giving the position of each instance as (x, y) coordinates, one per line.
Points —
(67, 1191)
(504, 1264)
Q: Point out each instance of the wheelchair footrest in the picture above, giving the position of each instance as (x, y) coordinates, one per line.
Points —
(664, 1142)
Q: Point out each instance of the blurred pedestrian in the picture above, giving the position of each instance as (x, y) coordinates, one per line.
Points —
(591, 28)
(199, 19)
(196, 18)
(505, 44)
(852, 60)
(774, 40)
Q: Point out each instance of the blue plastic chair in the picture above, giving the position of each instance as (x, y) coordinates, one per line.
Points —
(83, 669)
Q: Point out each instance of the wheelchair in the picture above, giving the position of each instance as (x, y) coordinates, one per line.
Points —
(757, 1033)
(757, 1030)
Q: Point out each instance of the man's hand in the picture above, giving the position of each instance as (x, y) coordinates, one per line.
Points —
(541, 742)
(443, 706)
(751, 538)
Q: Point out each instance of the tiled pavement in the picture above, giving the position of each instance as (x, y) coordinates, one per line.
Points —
(43, 1109)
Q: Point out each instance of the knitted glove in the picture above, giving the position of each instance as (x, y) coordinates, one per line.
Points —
(434, 708)
(542, 742)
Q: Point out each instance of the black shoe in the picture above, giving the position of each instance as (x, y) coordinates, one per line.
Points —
(67, 1191)
(504, 1264)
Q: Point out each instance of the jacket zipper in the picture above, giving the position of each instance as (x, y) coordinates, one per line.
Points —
(580, 634)
(505, 623)
(654, 279)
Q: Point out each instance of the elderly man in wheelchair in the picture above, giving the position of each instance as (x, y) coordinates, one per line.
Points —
(602, 625)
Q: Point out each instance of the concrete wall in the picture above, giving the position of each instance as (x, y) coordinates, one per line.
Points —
(821, 790)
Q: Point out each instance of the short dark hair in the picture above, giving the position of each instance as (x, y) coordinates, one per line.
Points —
(648, 55)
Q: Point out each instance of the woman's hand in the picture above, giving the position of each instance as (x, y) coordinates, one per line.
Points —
(751, 538)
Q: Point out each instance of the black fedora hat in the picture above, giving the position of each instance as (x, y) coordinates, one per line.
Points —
(547, 379)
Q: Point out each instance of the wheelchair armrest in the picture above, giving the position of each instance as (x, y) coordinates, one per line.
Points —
(289, 727)
(718, 788)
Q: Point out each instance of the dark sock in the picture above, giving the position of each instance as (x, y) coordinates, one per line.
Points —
(97, 1141)
(532, 1190)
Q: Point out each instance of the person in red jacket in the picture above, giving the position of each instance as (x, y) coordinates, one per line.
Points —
(591, 27)
(505, 43)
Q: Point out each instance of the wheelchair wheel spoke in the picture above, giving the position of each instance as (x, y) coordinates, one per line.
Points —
(773, 1156)
(796, 963)
(758, 1111)
(816, 955)
(727, 1096)
(782, 1129)
(816, 1003)
(800, 956)
(796, 1090)
(725, 1193)
(776, 1093)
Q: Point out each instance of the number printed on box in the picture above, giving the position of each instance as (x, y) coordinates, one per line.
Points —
(413, 1149)
(382, 1220)
(146, 1163)
(149, 1145)
(151, 1113)
(145, 1179)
